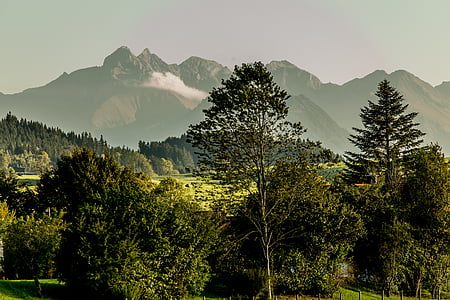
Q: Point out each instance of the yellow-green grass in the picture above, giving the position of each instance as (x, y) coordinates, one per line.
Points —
(203, 192)
(30, 179)
(188, 178)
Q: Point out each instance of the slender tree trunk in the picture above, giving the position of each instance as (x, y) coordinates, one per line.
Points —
(38, 287)
(269, 273)
(265, 243)
(418, 284)
(265, 238)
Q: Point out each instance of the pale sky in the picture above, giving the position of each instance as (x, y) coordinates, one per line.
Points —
(336, 40)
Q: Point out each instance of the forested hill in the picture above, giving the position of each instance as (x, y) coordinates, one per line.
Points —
(33, 147)
(22, 136)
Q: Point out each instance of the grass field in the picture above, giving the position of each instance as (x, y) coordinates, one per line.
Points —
(30, 179)
(53, 290)
(25, 289)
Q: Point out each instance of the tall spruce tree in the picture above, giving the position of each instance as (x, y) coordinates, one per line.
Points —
(389, 133)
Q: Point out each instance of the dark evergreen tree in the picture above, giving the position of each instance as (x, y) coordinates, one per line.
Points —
(387, 139)
(388, 135)
(177, 150)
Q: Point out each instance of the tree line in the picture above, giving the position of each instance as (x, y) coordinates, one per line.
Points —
(33, 147)
(267, 224)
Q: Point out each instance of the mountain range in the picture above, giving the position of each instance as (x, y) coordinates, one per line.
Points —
(131, 98)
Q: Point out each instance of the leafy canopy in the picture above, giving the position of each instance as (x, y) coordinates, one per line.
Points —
(244, 131)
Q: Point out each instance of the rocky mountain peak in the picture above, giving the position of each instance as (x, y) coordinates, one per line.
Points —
(407, 77)
(200, 65)
(201, 73)
(124, 65)
(277, 64)
(372, 78)
(152, 62)
(145, 53)
(292, 78)
(122, 55)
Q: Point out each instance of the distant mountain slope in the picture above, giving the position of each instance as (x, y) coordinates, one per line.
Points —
(343, 103)
(131, 98)
(202, 74)
(293, 79)
(320, 126)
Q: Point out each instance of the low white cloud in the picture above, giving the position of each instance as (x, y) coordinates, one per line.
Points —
(170, 82)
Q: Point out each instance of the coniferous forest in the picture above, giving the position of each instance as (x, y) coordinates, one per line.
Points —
(260, 220)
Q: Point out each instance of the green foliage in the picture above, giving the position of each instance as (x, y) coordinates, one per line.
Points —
(244, 128)
(318, 229)
(30, 245)
(426, 197)
(163, 166)
(407, 241)
(133, 160)
(126, 237)
(21, 136)
(246, 143)
(18, 196)
(403, 208)
(7, 216)
(380, 254)
(31, 162)
(5, 160)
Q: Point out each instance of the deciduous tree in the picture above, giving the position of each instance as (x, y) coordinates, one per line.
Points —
(126, 236)
(30, 247)
(242, 138)
(426, 200)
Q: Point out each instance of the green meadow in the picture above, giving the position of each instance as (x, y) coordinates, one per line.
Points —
(53, 290)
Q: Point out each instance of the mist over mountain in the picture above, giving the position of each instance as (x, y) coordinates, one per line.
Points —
(131, 98)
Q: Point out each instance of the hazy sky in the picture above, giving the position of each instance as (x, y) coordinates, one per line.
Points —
(336, 40)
